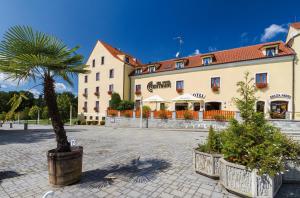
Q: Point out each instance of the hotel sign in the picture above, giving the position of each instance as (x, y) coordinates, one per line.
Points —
(280, 95)
(199, 95)
(158, 85)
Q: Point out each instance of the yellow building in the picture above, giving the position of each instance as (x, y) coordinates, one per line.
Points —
(210, 77)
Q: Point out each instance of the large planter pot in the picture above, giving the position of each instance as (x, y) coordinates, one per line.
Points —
(207, 164)
(65, 168)
(238, 179)
(293, 173)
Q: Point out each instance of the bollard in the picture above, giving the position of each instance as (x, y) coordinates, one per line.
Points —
(25, 126)
(1, 124)
(10, 125)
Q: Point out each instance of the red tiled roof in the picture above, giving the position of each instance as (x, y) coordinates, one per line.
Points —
(115, 52)
(296, 25)
(220, 57)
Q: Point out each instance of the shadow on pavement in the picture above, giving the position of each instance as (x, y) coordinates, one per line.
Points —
(29, 136)
(137, 171)
(8, 174)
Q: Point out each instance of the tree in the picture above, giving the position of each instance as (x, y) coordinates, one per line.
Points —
(115, 101)
(45, 113)
(33, 112)
(64, 101)
(28, 54)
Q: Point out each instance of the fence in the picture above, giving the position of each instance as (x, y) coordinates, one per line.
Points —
(187, 115)
(162, 114)
(220, 115)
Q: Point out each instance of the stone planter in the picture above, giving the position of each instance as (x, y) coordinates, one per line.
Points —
(65, 168)
(237, 179)
(293, 173)
(207, 164)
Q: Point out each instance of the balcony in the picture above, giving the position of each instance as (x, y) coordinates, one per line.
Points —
(109, 92)
(97, 93)
(261, 85)
(84, 109)
(96, 109)
(179, 90)
(138, 92)
(85, 95)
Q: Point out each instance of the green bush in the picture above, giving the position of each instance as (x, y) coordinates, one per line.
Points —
(115, 101)
(126, 105)
(92, 122)
(146, 111)
(254, 142)
(102, 122)
(219, 118)
(187, 115)
(213, 144)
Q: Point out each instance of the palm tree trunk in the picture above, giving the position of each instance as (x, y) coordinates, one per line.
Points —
(61, 138)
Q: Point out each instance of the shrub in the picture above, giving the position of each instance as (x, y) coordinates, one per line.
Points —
(163, 114)
(255, 143)
(115, 101)
(92, 122)
(126, 105)
(213, 144)
(102, 122)
(146, 111)
(219, 117)
(127, 114)
(187, 115)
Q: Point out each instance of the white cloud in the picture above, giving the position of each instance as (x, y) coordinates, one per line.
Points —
(197, 51)
(212, 48)
(36, 93)
(6, 82)
(272, 31)
(61, 87)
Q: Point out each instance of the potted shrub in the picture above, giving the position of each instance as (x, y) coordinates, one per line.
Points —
(42, 51)
(102, 122)
(219, 118)
(162, 114)
(255, 152)
(207, 156)
(187, 115)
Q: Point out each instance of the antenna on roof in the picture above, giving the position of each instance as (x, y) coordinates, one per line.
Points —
(180, 41)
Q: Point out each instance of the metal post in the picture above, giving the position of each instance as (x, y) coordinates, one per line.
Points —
(38, 116)
(70, 115)
(141, 114)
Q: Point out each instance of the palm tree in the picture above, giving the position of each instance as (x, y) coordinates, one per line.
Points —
(26, 54)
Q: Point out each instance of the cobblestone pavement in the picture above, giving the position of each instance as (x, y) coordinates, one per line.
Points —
(116, 163)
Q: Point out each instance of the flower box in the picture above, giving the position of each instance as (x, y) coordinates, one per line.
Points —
(179, 90)
(96, 109)
(242, 181)
(84, 109)
(207, 164)
(84, 95)
(215, 88)
(138, 92)
(261, 85)
(109, 92)
(97, 94)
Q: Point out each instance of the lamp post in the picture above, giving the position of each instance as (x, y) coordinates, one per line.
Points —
(38, 116)
(70, 114)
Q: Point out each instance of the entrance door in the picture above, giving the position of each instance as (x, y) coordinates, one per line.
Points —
(279, 109)
(212, 106)
(197, 106)
(181, 106)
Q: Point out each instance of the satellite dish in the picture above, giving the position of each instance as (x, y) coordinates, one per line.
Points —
(177, 54)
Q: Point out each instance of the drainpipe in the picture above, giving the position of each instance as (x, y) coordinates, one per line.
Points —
(293, 89)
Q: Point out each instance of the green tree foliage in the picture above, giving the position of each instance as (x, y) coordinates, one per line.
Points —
(64, 101)
(45, 113)
(213, 143)
(146, 111)
(2, 116)
(33, 112)
(24, 115)
(254, 142)
(115, 101)
(126, 105)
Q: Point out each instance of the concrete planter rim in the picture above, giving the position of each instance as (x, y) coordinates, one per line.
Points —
(209, 154)
(74, 149)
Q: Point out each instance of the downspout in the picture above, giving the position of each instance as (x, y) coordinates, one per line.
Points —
(293, 89)
(124, 81)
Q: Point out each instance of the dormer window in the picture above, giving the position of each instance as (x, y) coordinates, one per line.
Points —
(207, 60)
(271, 51)
(151, 69)
(138, 71)
(126, 59)
(179, 65)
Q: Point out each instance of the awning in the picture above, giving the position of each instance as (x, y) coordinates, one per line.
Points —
(154, 98)
(186, 98)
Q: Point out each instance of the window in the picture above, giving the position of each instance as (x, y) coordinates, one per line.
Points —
(111, 73)
(91, 117)
(179, 84)
(260, 106)
(94, 62)
(97, 106)
(151, 69)
(261, 78)
(85, 92)
(179, 65)
(102, 60)
(138, 71)
(97, 118)
(97, 76)
(85, 78)
(126, 59)
(215, 82)
(207, 60)
(85, 107)
(137, 87)
(111, 88)
(271, 51)
(97, 89)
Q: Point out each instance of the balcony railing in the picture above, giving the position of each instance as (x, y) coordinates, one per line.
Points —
(219, 115)
(261, 85)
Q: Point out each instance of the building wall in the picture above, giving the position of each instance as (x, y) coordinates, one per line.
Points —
(110, 62)
(198, 80)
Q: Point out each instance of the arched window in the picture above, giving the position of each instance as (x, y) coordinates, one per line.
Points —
(260, 106)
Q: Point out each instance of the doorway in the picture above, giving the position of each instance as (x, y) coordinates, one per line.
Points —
(279, 109)
(213, 106)
(181, 106)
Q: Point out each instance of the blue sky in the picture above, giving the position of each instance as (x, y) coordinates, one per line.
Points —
(146, 29)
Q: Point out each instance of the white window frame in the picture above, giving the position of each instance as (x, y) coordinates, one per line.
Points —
(153, 69)
(209, 62)
(181, 65)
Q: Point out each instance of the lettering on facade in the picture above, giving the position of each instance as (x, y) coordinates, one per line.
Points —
(274, 96)
(199, 95)
(158, 85)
